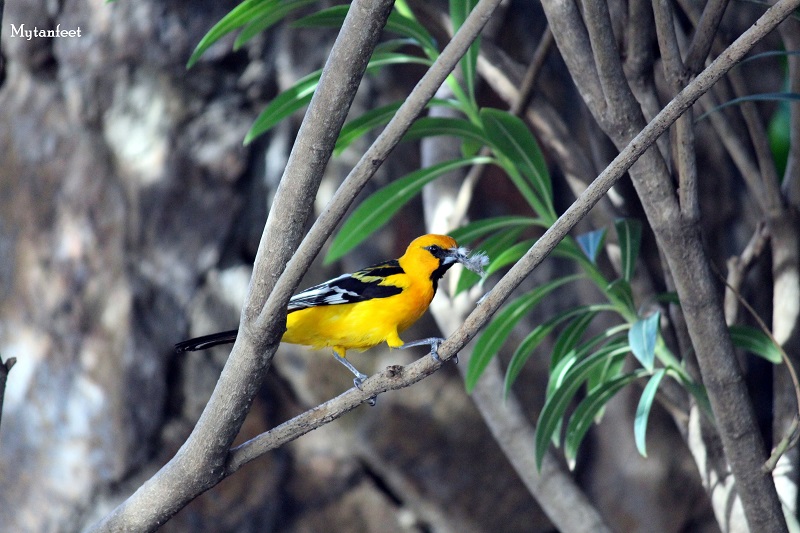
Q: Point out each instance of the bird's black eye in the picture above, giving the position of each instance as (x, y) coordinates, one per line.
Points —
(436, 251)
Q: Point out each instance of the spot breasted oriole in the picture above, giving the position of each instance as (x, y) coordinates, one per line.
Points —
(373, 305)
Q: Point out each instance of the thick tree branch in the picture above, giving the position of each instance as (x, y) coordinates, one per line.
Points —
(680, 241)
(199, 464)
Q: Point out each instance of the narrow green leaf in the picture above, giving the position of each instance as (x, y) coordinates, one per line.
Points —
(591, 243)
(385, 59)
(606, 342)
(239, 16)
(643, 411)
(642, 338)
(459, 10)
(409, 27)
(771, 53)
(381, 206)
(590, 408)
(556, 405)
(511, 137)
(535, 337)
(498, 330)
(569, 338)
(370, 120)
(509, 256)
(620, 291)
(333, 17)
(670, 297)
(456, 127)
(366, 122)
(283, 105)
(764, 97)
(629, 232)
(780, 137)
(299, 95)
(268, 19)
(755, 341)
(479, 228)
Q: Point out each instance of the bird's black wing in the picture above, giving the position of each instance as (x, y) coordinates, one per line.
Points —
(350, 288)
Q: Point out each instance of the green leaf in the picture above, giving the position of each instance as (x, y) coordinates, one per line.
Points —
(643, 411)
(509, 256)
(755, 341)
(642, 338)
(370, 120)
(409, 27)
(268, 19)
(771, 53)
(332, 17)
(535, 337)
(385, 59)
(605, 342)
(591, 243)
(492, 246)
(629, 232)
(620, 291)
(283, 105)
(455, 127)
(459, 11)
(498, 330)
(299, 95)
(556, 405)
(780, 138)
(360, 126)
(479, 228)
(239, 16)
(511, 137)
(590, 408)
(381, 206)
(569, 338)
(764, 97)
(670, 297)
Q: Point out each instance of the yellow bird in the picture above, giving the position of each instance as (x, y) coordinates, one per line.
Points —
(360, 310)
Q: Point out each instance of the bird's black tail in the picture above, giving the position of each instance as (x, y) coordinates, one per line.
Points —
(206, 341)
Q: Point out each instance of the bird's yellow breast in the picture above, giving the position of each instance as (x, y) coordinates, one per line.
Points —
(358, 326)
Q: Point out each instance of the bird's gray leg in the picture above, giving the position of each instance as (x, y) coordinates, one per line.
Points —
(434, 343)
(359, 377)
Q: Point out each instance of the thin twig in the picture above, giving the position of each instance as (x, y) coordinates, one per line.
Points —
(738, 267)
(791, 435)
(532, 74)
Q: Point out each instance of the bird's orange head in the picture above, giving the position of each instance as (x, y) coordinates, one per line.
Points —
(431, 255)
